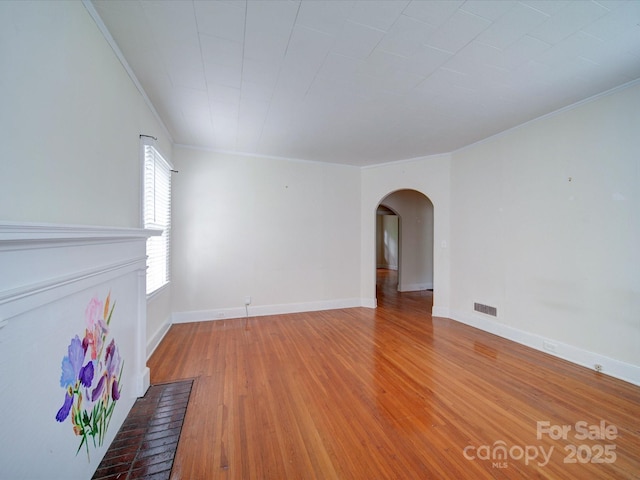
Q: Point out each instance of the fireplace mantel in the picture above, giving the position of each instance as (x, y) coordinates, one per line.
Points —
(70, 296)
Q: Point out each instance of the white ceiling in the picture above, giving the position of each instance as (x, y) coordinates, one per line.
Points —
(366, 82)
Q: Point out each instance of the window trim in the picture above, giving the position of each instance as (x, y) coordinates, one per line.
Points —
(146, 142)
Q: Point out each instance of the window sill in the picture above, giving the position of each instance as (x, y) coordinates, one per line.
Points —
(157, 291)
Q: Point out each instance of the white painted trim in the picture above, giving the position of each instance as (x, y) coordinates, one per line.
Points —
(567, 108)
(144, 375)
(158, 291)
(262, 310)
(560, 111)
(25, 234)
(16, 301)
(369, 302)
(157, 337)
(40, 237)
(415, 287)
(262, 156)
(440, 312)
(430, 156)
(144, 382)
(612, 367)
(91, 9)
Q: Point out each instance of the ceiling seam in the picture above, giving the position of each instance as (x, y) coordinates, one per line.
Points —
(264, 120)
(204, 73)
(244, 43)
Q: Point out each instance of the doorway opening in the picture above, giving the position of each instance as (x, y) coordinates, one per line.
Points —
(404, 242)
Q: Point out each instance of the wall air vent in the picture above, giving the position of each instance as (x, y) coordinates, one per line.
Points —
(478, 307)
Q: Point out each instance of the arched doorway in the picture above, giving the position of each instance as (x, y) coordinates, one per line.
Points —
(414, 238)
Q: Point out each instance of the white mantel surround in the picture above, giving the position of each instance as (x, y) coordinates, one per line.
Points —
(53, 278)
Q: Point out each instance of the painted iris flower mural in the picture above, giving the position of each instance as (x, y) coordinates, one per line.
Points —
(91, 374)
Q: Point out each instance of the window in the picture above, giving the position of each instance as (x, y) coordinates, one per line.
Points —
(157, 215)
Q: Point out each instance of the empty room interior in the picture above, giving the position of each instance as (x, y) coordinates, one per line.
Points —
(318, 239)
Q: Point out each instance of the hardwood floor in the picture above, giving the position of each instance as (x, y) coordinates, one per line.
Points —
(390, 393)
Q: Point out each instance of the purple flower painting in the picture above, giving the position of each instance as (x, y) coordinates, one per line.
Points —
(91, 376)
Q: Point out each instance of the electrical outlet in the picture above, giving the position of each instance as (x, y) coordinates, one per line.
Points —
(247, 300)
(597, 367)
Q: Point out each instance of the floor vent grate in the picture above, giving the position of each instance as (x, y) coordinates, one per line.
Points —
(479, 307)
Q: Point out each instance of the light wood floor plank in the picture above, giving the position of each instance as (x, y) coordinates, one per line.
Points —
(390, 393)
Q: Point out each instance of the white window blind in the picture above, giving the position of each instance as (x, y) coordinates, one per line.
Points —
(157, 215)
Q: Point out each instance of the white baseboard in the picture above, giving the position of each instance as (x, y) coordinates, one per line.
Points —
(262, 310)
(414, 287)
(369, 302)
(144, 382)
(157, 337)
(612, 367)
(440, 312)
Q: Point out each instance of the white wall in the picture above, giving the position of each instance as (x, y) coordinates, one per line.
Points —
(416, 239)
(284, 232)
(545, 226)
(429, 176)
(70, 120)
(70, 123)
